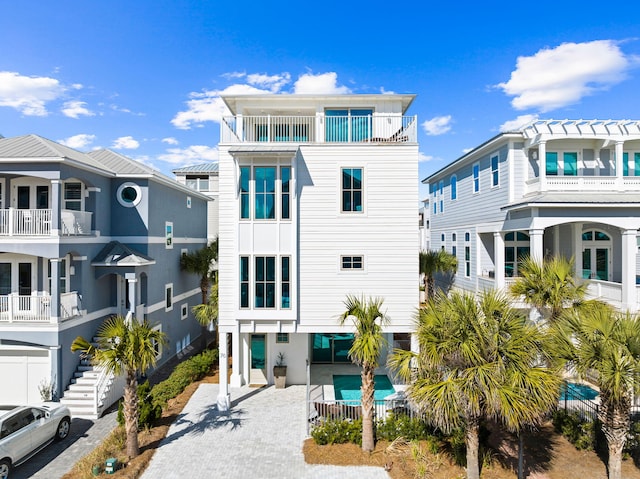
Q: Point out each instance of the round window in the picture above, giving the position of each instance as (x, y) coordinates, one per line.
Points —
(129, 195)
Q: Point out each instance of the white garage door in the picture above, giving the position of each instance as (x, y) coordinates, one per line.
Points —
(21, 371)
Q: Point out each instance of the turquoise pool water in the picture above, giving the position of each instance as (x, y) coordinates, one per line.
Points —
(347, 386)
(577, 391)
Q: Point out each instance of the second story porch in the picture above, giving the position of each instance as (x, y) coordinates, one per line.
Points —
(39, 222)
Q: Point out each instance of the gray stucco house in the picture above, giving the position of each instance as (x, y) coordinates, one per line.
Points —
(84, 236)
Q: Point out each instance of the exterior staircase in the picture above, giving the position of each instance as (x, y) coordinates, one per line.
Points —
(91, 391)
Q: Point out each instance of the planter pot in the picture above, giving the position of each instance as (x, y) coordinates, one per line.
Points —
(280, 376)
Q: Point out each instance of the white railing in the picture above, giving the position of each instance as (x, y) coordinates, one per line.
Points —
(107, 390)
(36, 308)
(582, 183)
(75, 223)
(37, 222)
(607, 290)
(319, 129)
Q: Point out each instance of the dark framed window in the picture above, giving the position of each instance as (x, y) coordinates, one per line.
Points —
(285, 193)
(245, 173)
(244, 281)
(282, 338)
(285, 283)
(352, 189)
(265, 195)
(351, 262)
(265, 282)
(495, 171)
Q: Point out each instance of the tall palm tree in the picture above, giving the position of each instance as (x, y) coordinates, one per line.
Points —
(478, 359)
(598, 339)
(125, 347)
(549, 285)
(368, 344)
(208, 313)
(201, 262)
(433, 262)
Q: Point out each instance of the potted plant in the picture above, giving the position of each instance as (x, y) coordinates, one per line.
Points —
(280, 372)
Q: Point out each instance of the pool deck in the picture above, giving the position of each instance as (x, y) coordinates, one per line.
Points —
(322, 379)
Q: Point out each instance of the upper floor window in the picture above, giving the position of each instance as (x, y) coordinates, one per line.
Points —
(258, 193)
(347, 124)
(265, 196)
(569, 166)
(285, 194)
(245, 176)
(454, 187)
(441, 193)
(495, 171)
(73, 196)
(264, 277)
(198, 182)
(352, 189)
(265, 282)
(476, 177)
(631, 167)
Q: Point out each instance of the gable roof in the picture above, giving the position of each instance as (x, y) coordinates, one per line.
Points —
(36, 147)
(120, 164)
(201, 168)
(118, 254)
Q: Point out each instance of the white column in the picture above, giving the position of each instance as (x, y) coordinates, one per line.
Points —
(236, 370)
(577, 249)
(619, 158)
(542, 162)
(224, 398)
(55, 290)
(498, 260)
(629, 252)
(131, 292)
(537, 246)
(55, 207)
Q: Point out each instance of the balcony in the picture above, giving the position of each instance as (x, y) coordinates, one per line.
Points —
(319, 129)
(36, 308)
(37, 222)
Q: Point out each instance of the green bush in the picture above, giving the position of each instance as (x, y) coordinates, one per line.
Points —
(338, 432)
(148, 413)
(580, 433)
(396, 425)
(185, 373)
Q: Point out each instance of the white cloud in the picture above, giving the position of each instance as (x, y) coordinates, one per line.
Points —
(208, 106)
(78, 142)
(556, 77)
(170, 141)
(438, 125)
(424, 158)
(518, 122)
(75, 109)
(467, 150)
(323, 83)
(125, 143)
(190, 155)
(28, 95)
(273, 83)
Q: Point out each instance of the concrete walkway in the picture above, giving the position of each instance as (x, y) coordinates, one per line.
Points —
(261, 437)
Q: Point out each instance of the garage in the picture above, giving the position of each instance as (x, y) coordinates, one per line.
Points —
(23, 370)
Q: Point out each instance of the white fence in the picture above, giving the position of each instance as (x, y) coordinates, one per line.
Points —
(37, 308)
(37, 222)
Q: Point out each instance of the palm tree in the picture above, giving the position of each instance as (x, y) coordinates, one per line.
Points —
(549, 286)
(432, 262)
(125, 347)
(200, 262)
(478, 359)
(601, 340)
(368, 344)
(208, 313)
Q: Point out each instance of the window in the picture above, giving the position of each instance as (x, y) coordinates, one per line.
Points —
(184, 311)
(42, 197)
(570, 163)
(467, 255)
(476, 177)
(129, 194)
(344, 125)
(285, 283)
(454, 187)
(168, 233)
(265, 282)
(516, 248)
(351, 262)
(198, 182)
(244, 281)
(351, 189)
(442, 237)
(454, 245)
(265, 196)
(282, 338)
(631, 168)
(441, 193)
(245, 173)
(551, 163)
(168, 297)
(73, 196)
(495, 172)
(63, 273)
(285, 193)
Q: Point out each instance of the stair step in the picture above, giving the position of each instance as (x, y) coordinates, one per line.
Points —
(80, 387)
(79, 395)
(85, 380)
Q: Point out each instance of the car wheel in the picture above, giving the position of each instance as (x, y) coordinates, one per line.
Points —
(63, 429)
(5, 469)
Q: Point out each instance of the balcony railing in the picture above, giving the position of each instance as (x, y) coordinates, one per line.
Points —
(37, 222)
(319, 129)
(36, 308)
(583, 183)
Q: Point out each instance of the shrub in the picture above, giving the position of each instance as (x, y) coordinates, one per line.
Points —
(579, 432)
(397, 425)
(185, 373)
(338, 432)
(148, 413)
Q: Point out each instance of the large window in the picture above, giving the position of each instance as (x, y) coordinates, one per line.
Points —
(569, 166)
(352, 189)
(345, 125)
(631, 167)
(516, 248)
(259, 190)
(261, 280)
(265, 282)
(265, 196)
(73, 196)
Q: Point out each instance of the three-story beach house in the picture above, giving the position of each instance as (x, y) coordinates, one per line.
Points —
(84, 237)
(553, 187)
(318, 200)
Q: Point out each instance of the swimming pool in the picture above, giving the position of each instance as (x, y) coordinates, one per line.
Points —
(347, 387)
(570, 391)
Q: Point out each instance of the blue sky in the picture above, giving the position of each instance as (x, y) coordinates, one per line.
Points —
(144, 77)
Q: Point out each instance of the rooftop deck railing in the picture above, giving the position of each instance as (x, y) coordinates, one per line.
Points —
(603, 183)
(319, 129)
(38, 222)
